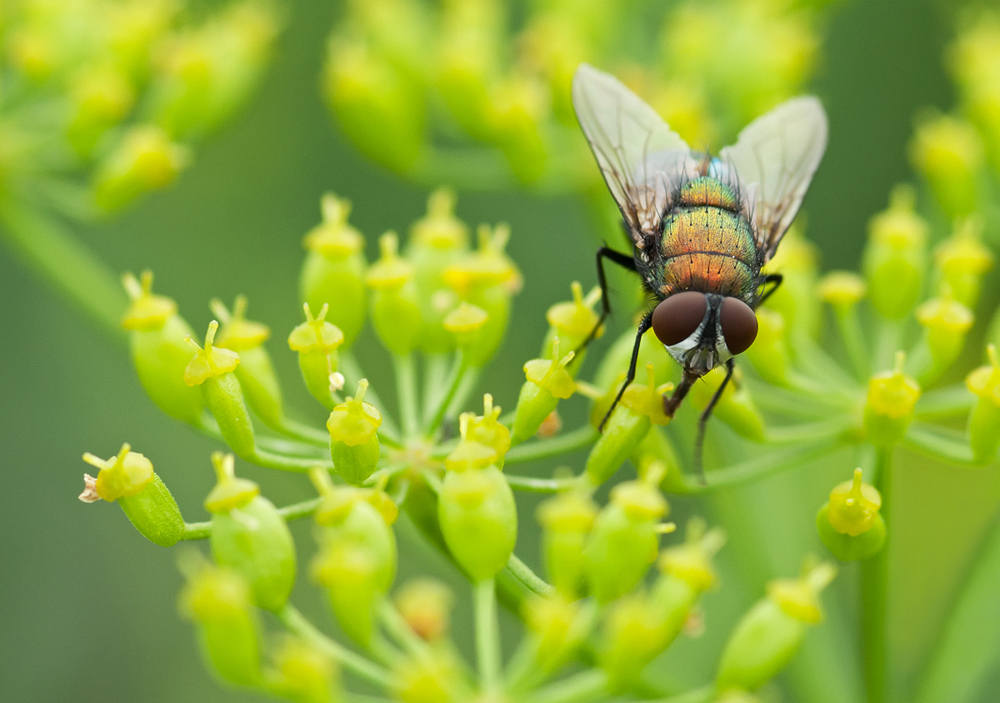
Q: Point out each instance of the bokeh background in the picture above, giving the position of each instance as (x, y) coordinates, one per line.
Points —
(88, 607)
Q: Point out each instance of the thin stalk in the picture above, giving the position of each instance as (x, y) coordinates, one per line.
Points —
(366, 669)
(543, 448)
(487, 635)
(48, 247)
(302, 431)
(523, 573)
(759, 467)
(466, 385)
(352, 374)
(585, 686)
(810, 431)
(295, 511)
(854, 341)
(196, 530)
(940, 443)
(400, 631)
(406, 390)
(281, 462)
(889, 341)
(529, 484)
(454, 379)
(436, 367)
(875, 591)
(944, 402)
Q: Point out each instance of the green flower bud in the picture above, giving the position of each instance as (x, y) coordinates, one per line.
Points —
(255, 371)
(486, 278)
(948, 153)
(334, 270)
(469, 62)
(984, 418)
(380, 111)
(144, 160)
(212, 369)
(478, 519)
(317, 341)
(735, 408)
(101, 96)
(303, 673)
(129, 479)
(249, 535)
(559, 625)
(354, 446)
(946, 323)
(395, 303)
(467, 323)
(895, 257)
(768, 636)
(962, 261)
(850, 524)
(624, 541)
(425, 605)
(796, 297)
(842, 290)
(217, 599)
(566, 521)
(437, 240)
(547, 382)
(357, 558)
(435, 677)
(656, 453)
(572, 323)
(160, 353)
(639, 409)
(769, 352)
(634, 634)
(516, 113)
(487, 429)
(889, 405)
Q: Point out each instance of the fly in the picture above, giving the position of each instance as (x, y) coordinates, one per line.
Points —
(701, 226)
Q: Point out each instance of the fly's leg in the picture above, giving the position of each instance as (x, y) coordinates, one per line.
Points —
(776, 279)
(643, 326)
(699, 441)
(623, 260)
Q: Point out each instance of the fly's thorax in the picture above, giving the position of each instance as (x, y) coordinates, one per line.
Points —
(705, 190)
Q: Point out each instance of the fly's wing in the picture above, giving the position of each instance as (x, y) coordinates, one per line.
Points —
(640, 156)
(775, 158)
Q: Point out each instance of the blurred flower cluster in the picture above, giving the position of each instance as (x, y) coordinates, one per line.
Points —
(477, 93)
(101, 99)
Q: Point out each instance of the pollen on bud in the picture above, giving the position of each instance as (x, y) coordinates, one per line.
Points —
(425, 605)
(895, 257)
(850, 524)
(891, 398)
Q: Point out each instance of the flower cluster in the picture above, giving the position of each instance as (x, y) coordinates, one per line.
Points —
(102, 99)
(467, 93)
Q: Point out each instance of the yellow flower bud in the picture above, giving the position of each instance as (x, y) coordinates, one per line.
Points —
(692, 561)
(984, 418)
(853, 506)
(947, 151)
(145, 159)
(572, 322)
(962, 260)
(889, 407)
(842, 289)
(894, 259)
(317, 341)
(425, 605)
(354, 445)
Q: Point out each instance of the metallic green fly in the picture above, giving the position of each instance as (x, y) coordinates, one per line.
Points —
(701, 226)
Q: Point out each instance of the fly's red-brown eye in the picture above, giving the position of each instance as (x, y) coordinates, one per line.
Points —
(739, 325)
(676, 318)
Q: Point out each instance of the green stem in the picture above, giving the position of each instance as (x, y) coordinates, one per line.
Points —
(406, 390)
(436, 367)
(529, 484)
(543, 448)
(196, 530)
(760, 467)
(466, 385)
(523, 573)
(352, 374)
(400, 631)
(295, 511)
(810, 431)
(940, 443)
(487, 636)
(302, 431)
(48, 247)
(368, 670)
(854, 341)
(875, 591)
(281, 462)
(944, 402)
(890, 337)
(455, 378)
(586, 686)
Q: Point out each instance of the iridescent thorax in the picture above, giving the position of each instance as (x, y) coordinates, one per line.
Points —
(707, 243)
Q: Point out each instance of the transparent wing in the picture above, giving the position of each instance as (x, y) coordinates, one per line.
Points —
(640, 156)
(775, 158)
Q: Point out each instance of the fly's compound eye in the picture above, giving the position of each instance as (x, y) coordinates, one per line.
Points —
(739, 325)
(676, 318)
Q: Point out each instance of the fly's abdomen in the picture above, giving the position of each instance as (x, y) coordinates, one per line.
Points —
(707, 247)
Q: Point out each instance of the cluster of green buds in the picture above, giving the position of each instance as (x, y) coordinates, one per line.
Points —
(125, 88)
(440, 310)
(401, 75)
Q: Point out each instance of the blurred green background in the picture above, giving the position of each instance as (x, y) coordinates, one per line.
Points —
(88, 607)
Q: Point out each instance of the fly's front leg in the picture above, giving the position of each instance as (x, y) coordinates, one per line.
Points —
(776, 279)
(626, 262)
(643, 326)
(699, 441)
